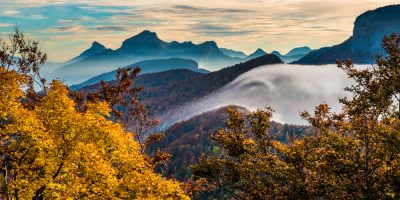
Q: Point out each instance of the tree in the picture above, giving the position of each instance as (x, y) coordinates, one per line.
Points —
(351, 155)
(54, 147)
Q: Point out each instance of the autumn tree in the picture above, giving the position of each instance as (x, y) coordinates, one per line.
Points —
(54, 145)
(351, 155)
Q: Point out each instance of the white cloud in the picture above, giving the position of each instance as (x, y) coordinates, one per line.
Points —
(38, 16)
(288, 89)
(10, 12)
(6, 25)
(238, 24)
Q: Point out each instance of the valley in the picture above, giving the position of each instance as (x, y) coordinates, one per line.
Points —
(177, 100)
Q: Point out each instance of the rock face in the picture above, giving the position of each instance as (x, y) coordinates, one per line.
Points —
(365, 44)
(372, 26)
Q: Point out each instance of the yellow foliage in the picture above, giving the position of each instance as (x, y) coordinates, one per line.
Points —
(53, 151)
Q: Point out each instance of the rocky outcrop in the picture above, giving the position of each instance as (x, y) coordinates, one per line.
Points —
(365, 44)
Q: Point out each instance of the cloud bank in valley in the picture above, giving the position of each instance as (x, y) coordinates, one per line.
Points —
(288, 89)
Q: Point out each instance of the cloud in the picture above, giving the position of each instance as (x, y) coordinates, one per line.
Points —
(288, 89)
(65, 21)
(37, 16)
(237, 24)
(6, 25)
(210, 10)
(65, 29)
(219, 30)
(112, 28)
(11, 12)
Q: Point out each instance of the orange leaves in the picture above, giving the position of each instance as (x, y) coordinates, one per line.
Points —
(52, 147)
(52, 150)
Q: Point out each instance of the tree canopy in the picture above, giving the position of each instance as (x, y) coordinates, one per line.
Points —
(352, 155)
(55, 146)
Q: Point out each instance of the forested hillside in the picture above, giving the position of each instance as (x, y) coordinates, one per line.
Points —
(160, 99)
(189, 140)
(167, 130)
(55, 144)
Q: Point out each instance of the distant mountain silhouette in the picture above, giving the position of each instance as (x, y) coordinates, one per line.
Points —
(259, 52)
(365, 44)
(94, 49)
(329, 55)
(299, 51)
(147, 66)
(294, 54)
(145, 43)
(277, 53)
(233, 53)
(144, 46)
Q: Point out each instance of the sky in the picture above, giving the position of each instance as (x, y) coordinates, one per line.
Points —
(65, 28)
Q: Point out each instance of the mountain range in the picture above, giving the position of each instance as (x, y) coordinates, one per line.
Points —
(188, 139)
(144, 46)
(294, 54)
(365, 43)
(233, 53)
(146, 66)
(163, 98)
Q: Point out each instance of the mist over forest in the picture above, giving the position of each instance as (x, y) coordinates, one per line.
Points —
(184, 99)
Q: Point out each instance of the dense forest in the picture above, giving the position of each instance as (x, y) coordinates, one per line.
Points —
(61, 144)
(350, 155)
(189, 140)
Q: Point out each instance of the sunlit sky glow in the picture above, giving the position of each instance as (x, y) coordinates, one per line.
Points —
(67, 27)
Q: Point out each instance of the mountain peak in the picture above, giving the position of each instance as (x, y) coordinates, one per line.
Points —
(277, 53)
(210, 44)
(94, 49)
(299, 51)
(142, 43)
(144, 36)
(259, 52)
(147, 33)
(97, 45)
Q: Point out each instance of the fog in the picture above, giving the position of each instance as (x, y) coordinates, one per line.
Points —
(288, 89)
